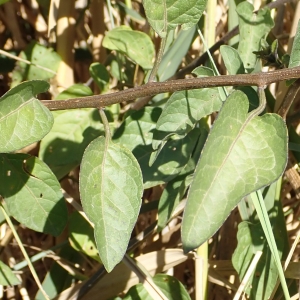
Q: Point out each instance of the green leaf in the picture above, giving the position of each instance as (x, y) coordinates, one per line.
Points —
(100, 76)
(173, 56)
(176, 188)
(39, 56)
(137, 128)
(171, 160)
(7, 277)
(81, 236)
(76, 90)
(239, 157)
(184, 109)
(111, 189)
(72, 131)
(169, 285)
(57, 278)
(250, 240)
(232, 60)
(3, 1)
(32, 193)
(133, 14)
(166, 15)
(253, 26)
(23, 118)
(135, 44)
(295, 54)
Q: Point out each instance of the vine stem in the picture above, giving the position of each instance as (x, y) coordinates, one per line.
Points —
(12, 227)
(261, 79)
(105, 124)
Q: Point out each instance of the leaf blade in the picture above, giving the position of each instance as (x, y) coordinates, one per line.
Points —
(111, 189)
(23, 118)
(237, 159)
(32, 193)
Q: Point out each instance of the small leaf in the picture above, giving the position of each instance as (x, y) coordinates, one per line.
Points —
(73, 130)
(250, 240)
(135, 44)
(7, 277)
(58, 278)
(253, 26)
(184, 109)
(111, 189)
(170, 14)
(172, 58)
(176, 188)
(76, 90)
(232, 60)
(63, 147)
(100, 76)
(239, 157)
(81, 236)
(137, 128)
(171, 160)
(38, 55)
(294, 60)
(32, 193)
(23, 118)
(169, 285)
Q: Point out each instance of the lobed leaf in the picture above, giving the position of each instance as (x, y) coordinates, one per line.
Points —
(23, 118)
(32, 193)
(239, 157)
(111, 189)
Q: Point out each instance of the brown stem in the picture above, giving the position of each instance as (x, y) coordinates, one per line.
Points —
(154, 88)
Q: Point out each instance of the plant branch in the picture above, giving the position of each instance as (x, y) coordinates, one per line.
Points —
(150, 89)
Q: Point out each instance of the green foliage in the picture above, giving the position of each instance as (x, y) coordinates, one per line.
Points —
(111, 190)
(251, 239)
(23, 119)
(294, 60)
(135, 44)
(253, 27)
(224, 171)
(32, 193)
(188, 145)
(36, 54)
(7, 277)
(170, 286)
(166, 15)
(81, 236)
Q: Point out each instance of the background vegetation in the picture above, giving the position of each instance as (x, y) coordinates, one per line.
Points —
(131, 165)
